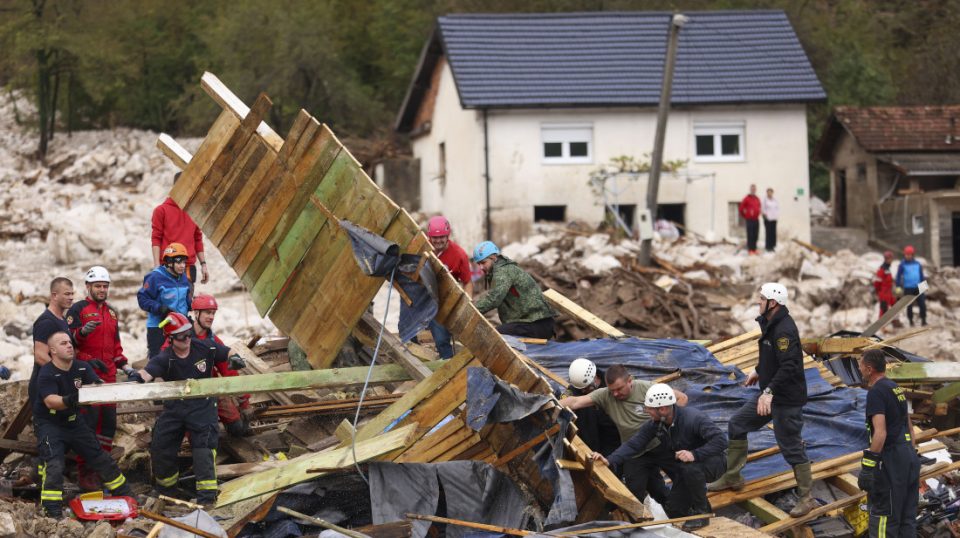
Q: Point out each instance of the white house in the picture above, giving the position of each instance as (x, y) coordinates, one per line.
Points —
(510, 114)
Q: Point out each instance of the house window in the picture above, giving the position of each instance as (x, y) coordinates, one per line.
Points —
(567, 143)
(549, 213)
(718, 142)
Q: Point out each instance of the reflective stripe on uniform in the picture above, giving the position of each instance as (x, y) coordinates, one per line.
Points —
(116, 482)
(169, 481)
(906, 436)
(206, 484)
(882, 527)
(868, 463)
(51, 495)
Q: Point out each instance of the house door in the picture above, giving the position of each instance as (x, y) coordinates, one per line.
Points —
(840, 198)
(956, 239)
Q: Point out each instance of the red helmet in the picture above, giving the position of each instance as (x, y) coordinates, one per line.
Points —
(438, 226)
(175, 323)
(908, 250)
(203, 302)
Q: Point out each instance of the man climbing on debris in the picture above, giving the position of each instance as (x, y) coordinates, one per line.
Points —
(58, 428)
(455, 259)
(594, 425)
(890, 468)
(515, 294)
(165, 290)
(883, 283)
(170, 224)
(622, 399)
(750, 213)
(186, 358)
(52, 320)
(689, 449)
(231, 410)
(96, 329)
(783, 392)
(909, 277)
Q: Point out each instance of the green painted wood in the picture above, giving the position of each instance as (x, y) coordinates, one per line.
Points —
(946, 393)
(934, 372)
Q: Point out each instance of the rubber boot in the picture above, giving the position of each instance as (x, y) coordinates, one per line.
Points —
(804, 482)
(736, 459)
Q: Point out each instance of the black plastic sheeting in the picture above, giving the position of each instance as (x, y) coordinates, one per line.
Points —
(834, 422)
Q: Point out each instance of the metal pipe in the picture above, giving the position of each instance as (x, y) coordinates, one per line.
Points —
(486, 176)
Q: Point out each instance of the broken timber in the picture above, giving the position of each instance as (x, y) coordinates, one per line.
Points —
(271, 205)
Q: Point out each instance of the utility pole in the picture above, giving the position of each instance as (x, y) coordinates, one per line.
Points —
(656, 160)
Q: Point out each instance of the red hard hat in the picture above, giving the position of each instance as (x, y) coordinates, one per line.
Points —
(438, 226)
(203, 302)
(888, 254)
(908, 250)
(175, 323)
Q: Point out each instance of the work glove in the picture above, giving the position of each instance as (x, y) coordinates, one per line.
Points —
(4, 373)
(89, 327)
(239, 428)
(128, 370)
(869, 467)
(135, 376)
(236, 362)
(97, 364)
(70, 400)
(164, 311)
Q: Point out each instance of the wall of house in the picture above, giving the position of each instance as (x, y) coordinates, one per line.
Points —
(860, 169)
(894, 227)
(943, 207)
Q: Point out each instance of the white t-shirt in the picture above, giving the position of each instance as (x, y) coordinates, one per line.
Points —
(770, 208)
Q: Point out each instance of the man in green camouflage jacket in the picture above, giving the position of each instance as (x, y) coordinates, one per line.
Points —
(515, 294)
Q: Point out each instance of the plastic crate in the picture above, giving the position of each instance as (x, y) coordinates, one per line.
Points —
(857, 518)
(100, 508)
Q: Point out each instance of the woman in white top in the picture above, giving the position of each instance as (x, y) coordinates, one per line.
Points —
(771, 213)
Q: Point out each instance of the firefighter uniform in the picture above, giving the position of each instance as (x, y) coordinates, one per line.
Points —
(197, 416)
(892, 498)
(103, 344)
(58, 431)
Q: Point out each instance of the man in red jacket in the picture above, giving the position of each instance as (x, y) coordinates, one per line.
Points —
(170, 224)
(883, 283)
(96, 329)
(750, 212)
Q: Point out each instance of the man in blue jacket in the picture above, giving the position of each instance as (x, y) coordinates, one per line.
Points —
(166, 289)
(909, 277)
(690, 450)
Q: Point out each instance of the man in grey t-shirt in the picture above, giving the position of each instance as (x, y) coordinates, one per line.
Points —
(622, 399)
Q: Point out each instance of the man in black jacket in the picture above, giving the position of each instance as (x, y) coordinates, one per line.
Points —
(783, 392)
(690, 451)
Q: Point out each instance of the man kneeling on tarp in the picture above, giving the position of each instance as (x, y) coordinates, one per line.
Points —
(691, 452)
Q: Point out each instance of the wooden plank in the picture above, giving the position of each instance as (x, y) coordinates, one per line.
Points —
(198, 167)
(584, 316)
(926, 372)
(764, 510)
(525, 447)
(724, 345)
(846, 483)
(255, 365)
(238, 197)
(893, 312)
(833, 345)
(234, 105)
(367, 331)
(245, 384)
(16, 426)
(721, 527)
(605, 481)
(177, 154)
(294, 471)
(255, 515)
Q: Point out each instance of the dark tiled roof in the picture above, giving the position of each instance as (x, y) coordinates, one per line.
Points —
(606, 58)
(902, 128)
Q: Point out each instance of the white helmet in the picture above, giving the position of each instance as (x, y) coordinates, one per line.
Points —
(660, 395)
(97, 274)
(582, 373)
(774, 292)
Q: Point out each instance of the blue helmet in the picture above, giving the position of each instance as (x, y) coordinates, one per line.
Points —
(485, 250)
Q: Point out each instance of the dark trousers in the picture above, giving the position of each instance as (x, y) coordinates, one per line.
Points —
(597, 430)
(442, 339)
(53, 441)
(199, 417)
(542, 328)
(893, 500)
(787, 428)
(155, 340)
(753, 232)
(643, 479)
(102, 421)
(688, 495)
(770, 234)
(921, 302)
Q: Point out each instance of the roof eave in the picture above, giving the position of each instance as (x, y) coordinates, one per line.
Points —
(429, 55)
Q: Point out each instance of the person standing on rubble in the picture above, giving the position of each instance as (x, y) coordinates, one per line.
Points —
(455, 259)
(523, 310)
(689, 449)
(890, 468)
(165, 290)
(170, 224)
(594, 426)
(909, 277)
(96, 329)
(771, 214)
(186, 358)
(783, 393)
(750, 213)
(622, 399)
(883, 283)
(52, 320)
(58, 429)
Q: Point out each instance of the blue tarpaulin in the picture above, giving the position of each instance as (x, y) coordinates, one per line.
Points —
(834, 422)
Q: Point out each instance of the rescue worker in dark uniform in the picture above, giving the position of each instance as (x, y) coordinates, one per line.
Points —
(594, 425)
(890, 468)
(186, 358)
(783, 392)
(690, 451)
(96, 329)
(50, 321)
(59, 428)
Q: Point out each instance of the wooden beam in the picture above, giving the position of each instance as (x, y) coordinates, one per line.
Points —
(255, 365)
(604, 480)
(893, 311)
(640, 525)
(14, 445)
(822, 346)
(508, 457)
(724, 345)
(16, 426)
(845, 482)
(764, 510)
(174, 523)
(290, 472)
(367, 331)
(230, 102)
(320, 522)
(933, 372)
(946, 393)
(577, 312)
(470, 525)
(898, 338)
(345, 431)
(177, 154)
(245, 384)
(255, 515)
